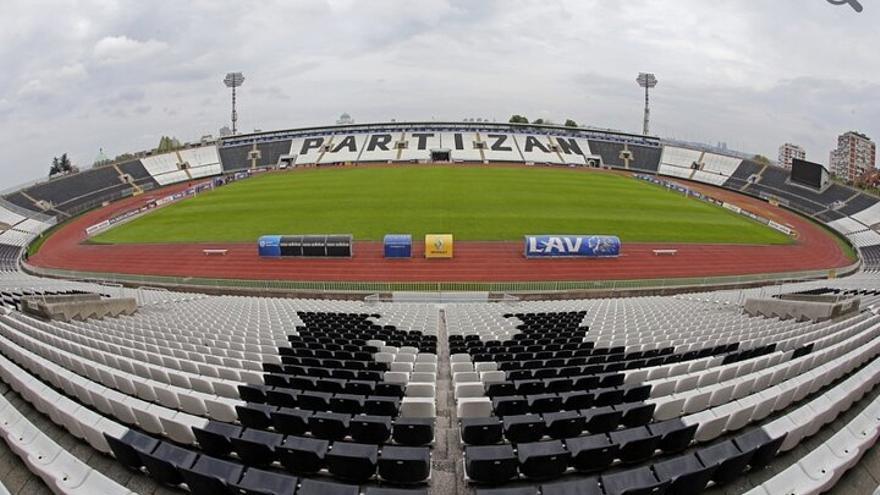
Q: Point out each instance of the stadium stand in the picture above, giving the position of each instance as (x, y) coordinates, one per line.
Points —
(136, 170)
(740, 178)
(346, 149)
(724, 166)
(235, 158)
(870, 257)
(537, 149)
(847, 225)
(18, 199)
(9, 217)
(460, 151)
(869, 216)
(202, 162)
(679, 162)
(644, 159)
(219, 392)
(503, 148)
(829, 216)
(78, 192)
(74, 193)
(859, 203)
(222, 394)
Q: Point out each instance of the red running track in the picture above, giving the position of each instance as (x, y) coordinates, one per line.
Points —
(473, 262)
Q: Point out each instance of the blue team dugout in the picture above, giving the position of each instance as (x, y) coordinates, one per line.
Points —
(269, 246)
(398, 246)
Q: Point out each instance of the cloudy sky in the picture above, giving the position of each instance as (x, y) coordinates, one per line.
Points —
(113, 74)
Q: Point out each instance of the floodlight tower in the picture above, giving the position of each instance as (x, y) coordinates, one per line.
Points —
(234, 80)
(646, 80)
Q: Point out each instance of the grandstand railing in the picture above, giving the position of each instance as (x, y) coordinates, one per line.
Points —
(524, 287)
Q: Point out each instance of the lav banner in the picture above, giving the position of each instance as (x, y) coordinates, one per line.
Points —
(583, 246)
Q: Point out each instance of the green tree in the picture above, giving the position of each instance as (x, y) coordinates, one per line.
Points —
(518, 119)
(62, 165)
(761, 160)
(168, 143)
(55, 168)
(570, 123)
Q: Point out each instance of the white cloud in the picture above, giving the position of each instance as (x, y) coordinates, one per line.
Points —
(753, 74)
(50, 82)
(121, 49)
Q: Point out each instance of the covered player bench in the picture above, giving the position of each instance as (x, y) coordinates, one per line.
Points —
(665, 252)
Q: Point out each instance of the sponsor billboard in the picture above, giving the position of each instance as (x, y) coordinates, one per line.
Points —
(128, 215)
(318, 246)
(398, 246)
(782, 228)
(269, 246)
(585, 246)
(438, 246)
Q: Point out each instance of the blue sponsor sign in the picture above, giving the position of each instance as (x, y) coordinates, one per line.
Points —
(398, 246)
(269, 246)
(585, 246)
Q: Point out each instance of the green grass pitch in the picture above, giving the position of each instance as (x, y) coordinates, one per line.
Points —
(473, 203)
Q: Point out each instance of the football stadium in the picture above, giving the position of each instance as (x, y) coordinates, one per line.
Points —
(417, 307)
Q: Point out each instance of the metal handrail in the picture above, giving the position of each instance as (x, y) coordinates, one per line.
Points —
(519, 287)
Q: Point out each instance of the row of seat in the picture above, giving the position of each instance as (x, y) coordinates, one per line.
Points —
(209, 475)
(366, 427)
(725, 460)
(721, 462)
(557, 425)
(819, 470)
(306, 455)
(393, 455)
(303, 384)
(342, 325)
(59, 469)
(290, 365)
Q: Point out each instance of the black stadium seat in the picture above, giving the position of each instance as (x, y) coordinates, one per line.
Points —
(216, 438)
(310, 486)
(728, 461)
(404, 465)
(257, 447)
(413, 431)
(209, 475)
(127, 450)
(546, 459)
(260, 482)
(637, 481)
(686, 474)
(352, 461)
(370, 429)
(592, 453)
(166, 463)
(490, 464)
(303, 455)
(481, 431)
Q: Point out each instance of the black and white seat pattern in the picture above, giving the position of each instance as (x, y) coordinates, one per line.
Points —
(251, 395)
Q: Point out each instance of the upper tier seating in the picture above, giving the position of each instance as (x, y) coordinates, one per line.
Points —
(141, 176)
(77, 192)
(645, 159)
(237, 157)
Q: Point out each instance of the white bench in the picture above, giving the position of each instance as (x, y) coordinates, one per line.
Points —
(665, 252)
(215, 252)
